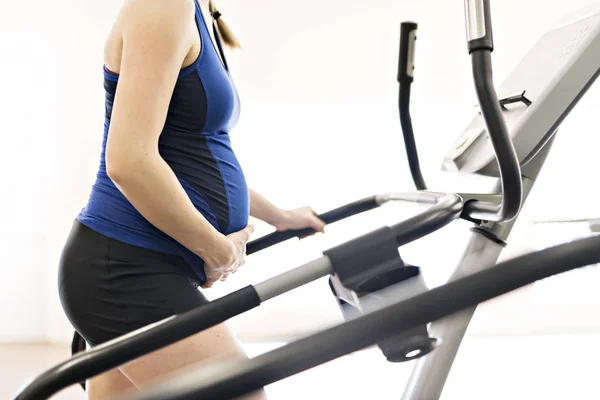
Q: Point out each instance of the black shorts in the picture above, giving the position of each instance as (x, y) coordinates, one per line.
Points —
(108, 288)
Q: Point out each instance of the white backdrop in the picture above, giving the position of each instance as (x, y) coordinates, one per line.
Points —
(319, 126)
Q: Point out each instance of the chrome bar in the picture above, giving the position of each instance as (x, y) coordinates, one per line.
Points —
(475, 19)
(419, 197)
(293, 279)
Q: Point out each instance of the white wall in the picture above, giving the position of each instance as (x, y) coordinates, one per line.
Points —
(319, 126)
(52, 111)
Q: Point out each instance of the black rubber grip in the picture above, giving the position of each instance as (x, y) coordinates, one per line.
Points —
(408, 133)
(122, 350)
(250, 375)
(329, 217)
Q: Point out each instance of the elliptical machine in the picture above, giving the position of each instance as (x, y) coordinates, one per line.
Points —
(382, 299)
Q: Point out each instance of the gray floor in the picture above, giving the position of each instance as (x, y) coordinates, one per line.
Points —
(517, 367)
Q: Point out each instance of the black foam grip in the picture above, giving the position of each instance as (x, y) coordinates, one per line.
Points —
(329, 217)
(122, 350)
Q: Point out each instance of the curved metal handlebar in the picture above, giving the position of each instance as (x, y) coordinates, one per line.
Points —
(445, 208)
(138, 343)
(480, 43)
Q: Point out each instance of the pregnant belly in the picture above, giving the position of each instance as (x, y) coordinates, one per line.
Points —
(234, 182)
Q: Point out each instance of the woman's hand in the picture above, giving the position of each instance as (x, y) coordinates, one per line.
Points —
(284, 220)
(227, 260)
(299, 218)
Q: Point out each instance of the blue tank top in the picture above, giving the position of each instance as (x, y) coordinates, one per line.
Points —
(196, 145)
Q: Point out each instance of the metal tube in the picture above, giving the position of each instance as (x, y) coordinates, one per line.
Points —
(475, 19)
(510, 171)
(448, 207)
(480, 43)
(293, 279)
(431, 371)
(420, 197)
(478, 21)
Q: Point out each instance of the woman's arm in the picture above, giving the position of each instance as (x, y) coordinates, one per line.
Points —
(156, 40)
(263, 209)
(283, 220)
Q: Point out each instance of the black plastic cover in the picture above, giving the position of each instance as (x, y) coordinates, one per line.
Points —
(404, 55)
(357, 262)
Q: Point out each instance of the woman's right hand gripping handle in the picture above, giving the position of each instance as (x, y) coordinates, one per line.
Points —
(221, 263)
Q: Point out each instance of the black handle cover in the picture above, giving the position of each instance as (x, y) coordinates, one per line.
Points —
(119, 351)
(406, 63)
(329, 217)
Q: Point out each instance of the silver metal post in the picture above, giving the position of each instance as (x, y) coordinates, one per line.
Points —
(430, 372)
(293, 279)
(418, 197)
(475, 19)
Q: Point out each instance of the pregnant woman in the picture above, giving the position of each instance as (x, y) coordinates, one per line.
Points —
(169, 209)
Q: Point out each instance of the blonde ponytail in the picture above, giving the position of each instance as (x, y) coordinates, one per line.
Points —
(224, 30)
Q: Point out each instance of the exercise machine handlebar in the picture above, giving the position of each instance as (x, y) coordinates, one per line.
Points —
(480, 45)
(272, 239)
(116, 352)
(444, 209)
(329, 217)
(406, 67)
(233, 379)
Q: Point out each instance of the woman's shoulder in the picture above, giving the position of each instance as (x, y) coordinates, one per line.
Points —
(171, 20)
(167, 12)
(162, 25)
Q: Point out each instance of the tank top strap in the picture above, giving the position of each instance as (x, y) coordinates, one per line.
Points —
(205, 35)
